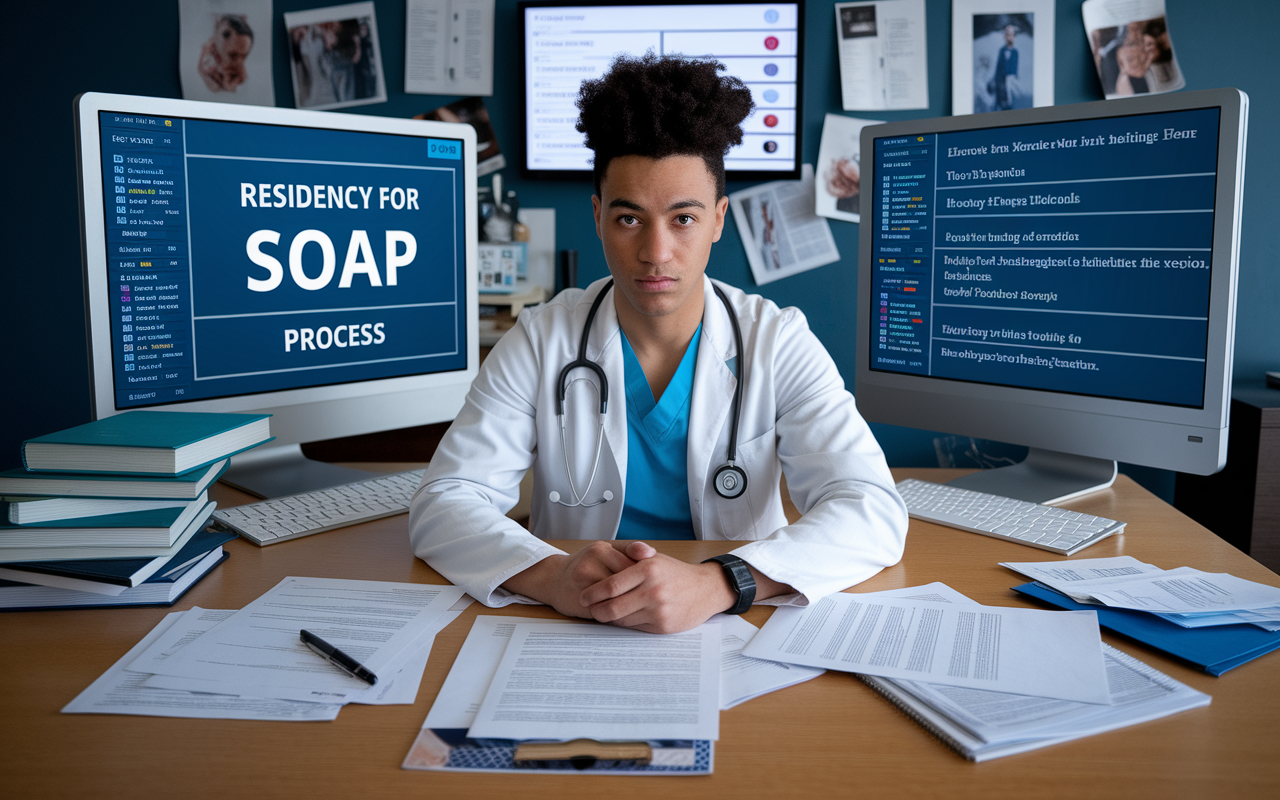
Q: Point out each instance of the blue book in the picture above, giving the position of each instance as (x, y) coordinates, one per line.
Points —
(22, 597)
(146, 443)
(159, 527)
(1214, 649)
(188, 486)
(128, 572)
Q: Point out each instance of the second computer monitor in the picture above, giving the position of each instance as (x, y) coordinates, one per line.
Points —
(1062, 278)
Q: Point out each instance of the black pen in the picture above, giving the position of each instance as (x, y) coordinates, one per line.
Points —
(337, 658)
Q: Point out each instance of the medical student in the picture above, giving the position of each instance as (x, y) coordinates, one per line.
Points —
(658, 404)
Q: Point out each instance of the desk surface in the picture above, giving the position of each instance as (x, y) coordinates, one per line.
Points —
(829, 737)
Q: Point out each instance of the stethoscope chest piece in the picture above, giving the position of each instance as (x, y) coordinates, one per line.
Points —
(730, 481)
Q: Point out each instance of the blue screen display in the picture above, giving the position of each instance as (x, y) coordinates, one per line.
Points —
(1071, 257)
(247, 258)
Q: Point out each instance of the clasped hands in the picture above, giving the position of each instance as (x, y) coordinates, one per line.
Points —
(629, 584)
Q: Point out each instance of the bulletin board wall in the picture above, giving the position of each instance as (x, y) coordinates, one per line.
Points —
(63, 49)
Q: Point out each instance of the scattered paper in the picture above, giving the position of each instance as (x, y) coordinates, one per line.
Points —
(782, 233)
(448, 47)
(1001, 54)
(744, 678)
(257, 650)
(334, 57)
(1131, 47)
(224, 51)
(1186, 590)
(563, 682)
(1041, 653)
(1073, 578)
(883, 64)
(838, 188)
(119, 690)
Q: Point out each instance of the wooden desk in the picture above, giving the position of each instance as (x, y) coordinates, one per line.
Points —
(831, 737)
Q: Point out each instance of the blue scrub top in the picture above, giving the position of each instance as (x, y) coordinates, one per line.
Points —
(657, 496)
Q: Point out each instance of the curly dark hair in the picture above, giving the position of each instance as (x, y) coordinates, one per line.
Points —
(659, 106)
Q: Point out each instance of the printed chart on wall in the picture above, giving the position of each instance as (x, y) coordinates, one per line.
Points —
(247, 257)
(1072, 257)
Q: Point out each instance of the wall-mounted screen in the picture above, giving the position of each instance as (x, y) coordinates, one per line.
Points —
(566, 43)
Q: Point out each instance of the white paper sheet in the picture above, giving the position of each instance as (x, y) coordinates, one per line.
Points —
(120, 691)
(1074, 578)
(1042, 653)
(448, 46)
(224, 51)
(1187, 590)
(780, 229)
(563, 682)
(744, 678)
(883, 64)
(990, 74)
(257, 649)
(838, 184)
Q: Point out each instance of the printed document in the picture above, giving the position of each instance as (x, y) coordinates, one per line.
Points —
(448, 46)
(562, 682)
(1186, 590)
(119, 690)
(257, 650)
(882, 50)
(1042, 653)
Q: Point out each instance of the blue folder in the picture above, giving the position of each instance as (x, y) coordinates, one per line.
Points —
(1213, 649)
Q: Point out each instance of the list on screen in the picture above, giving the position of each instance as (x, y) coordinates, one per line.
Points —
(1070, 257)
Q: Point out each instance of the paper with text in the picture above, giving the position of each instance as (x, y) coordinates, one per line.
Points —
(1021, 651)
(883, 64)
(563, 682)
(448, 46)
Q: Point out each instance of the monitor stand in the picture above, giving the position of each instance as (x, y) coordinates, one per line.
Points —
(280, 471)
(1046, 476)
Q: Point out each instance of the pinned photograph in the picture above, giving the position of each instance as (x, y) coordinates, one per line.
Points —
(779, 229)
(1002, 55)
(838, 188)
(224, 51)
(335, 57)
(1131, 47)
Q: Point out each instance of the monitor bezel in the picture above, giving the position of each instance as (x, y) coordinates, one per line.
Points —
(1123, 430)
(300, 414)
(528, 172)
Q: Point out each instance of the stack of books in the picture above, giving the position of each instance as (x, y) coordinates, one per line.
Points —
(113, 513)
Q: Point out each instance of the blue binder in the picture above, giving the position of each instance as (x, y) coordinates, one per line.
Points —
(1215, 649)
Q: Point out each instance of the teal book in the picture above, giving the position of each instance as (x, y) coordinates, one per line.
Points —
(188, 486)
(147, 443)
(157, 529)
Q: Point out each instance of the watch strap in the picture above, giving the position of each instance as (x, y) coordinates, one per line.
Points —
(740, 580)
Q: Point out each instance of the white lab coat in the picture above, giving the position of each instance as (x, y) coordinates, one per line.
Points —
(796, 419)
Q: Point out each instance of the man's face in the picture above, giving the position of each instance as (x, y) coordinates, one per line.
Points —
(657, 219)
(1009, 33)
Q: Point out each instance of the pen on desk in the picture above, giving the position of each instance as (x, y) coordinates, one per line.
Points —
(338, 658)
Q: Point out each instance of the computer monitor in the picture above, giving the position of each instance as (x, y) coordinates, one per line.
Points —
(568, 41)
(1062, 278)
(314, 266)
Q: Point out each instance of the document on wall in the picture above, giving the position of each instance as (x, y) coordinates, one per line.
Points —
(883, 59)
(448, 47)
(257, 650)
(1021, 651)
(780, 228)
(120, 690)
(562, 682)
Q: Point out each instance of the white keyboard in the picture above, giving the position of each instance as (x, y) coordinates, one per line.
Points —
(284, 518)
(1046, 527)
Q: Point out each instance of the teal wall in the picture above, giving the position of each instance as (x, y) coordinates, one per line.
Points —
(64, 49)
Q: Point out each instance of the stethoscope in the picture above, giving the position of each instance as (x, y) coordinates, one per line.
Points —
(730, 480)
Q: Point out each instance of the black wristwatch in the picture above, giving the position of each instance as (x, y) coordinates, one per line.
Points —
(740, 580)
